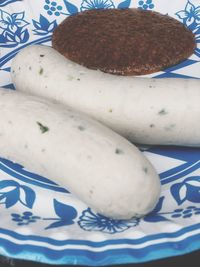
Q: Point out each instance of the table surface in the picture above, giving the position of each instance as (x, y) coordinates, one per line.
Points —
(192, 258)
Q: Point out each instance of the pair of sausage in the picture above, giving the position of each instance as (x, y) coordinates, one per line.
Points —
(93, 162)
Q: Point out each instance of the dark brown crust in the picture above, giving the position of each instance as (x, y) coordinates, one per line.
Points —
(124, 41)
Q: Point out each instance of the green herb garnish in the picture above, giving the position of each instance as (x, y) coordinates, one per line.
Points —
(162, 112)
(43, 128)
(119, 151)
(145, 169)
(81, 128)
(41, 71)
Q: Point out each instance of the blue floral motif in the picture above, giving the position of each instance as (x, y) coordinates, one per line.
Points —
(85, 5)
(124, 4)
(6, 2)
(43, 26)
(24, 175)
(146, 4)
(94, 4)
(90, 221)
(52, 8)
(188, 190)
(157, 216)
(66, 215)
(178, 213)
(71, 8)
(25, 219)
(12, 30)
(186, 213)
(190, 16)
(12, 22)
(11, 192)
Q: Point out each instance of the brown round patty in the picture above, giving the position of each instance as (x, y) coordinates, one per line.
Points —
(123, 41)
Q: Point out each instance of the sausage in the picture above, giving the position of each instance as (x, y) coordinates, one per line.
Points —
(146, 111)
(94, 163)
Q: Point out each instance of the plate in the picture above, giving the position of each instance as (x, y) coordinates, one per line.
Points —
(43, 222)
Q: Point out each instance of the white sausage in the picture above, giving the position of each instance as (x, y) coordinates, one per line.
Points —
(147, 111)
(100, 167)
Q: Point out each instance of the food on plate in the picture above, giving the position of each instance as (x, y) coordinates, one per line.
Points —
(123, 41)
(99, 166)
(146, 111)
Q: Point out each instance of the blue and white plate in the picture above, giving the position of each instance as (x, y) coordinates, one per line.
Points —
(43, 222)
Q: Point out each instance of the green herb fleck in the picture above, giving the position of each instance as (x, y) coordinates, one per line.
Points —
(145, 169)
(110, 110)
(70, 77)
(151, 86)
(78, 79)
(170, 127)
(41, 55)
(43, 128)
(162, 112)
(81, 128)
(41, 71)
(119, 151)
(91, 191)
